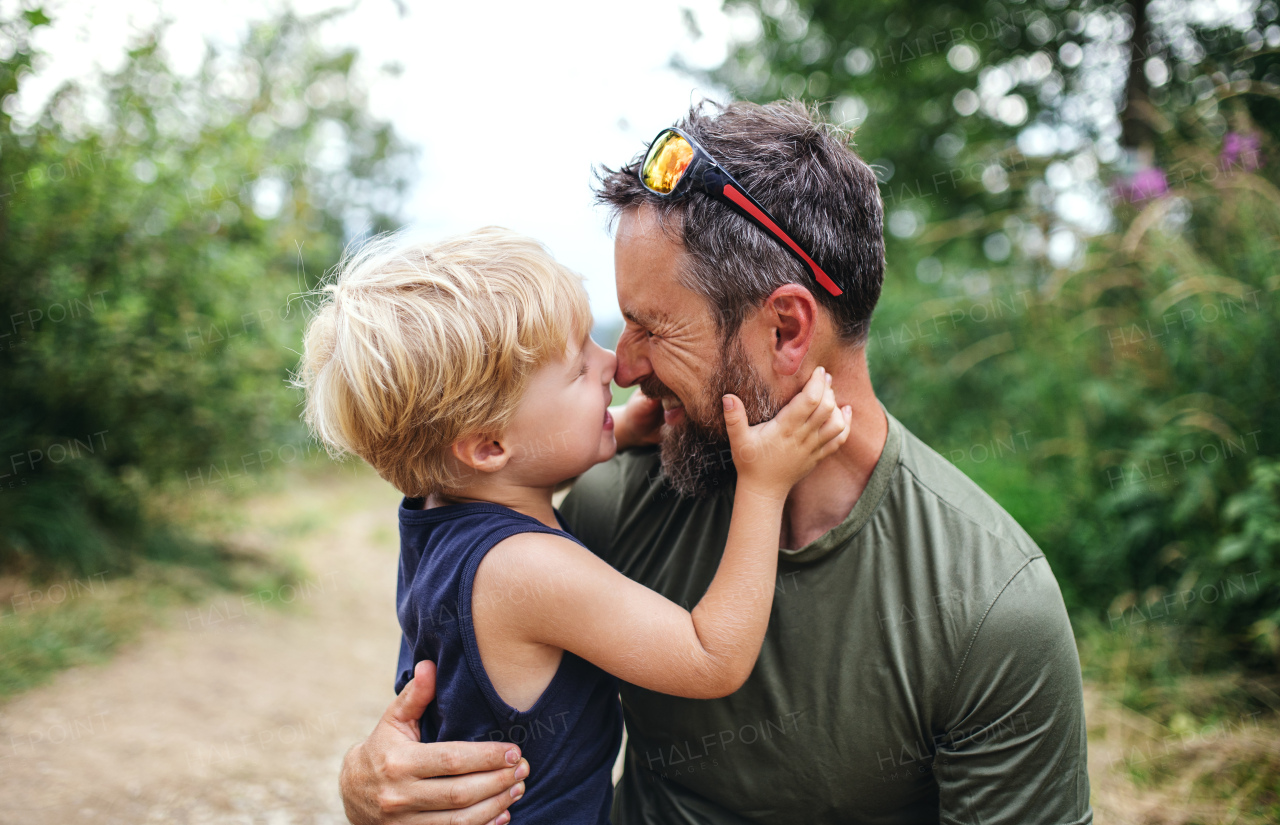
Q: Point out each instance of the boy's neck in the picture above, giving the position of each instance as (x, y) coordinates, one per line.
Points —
(534, 502)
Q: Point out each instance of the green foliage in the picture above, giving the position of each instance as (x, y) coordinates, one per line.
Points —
(152, 234)
(1253, 549)
(39, 645)
(69, 622)
(1117, 410)
(1120, 403)
(886, 63)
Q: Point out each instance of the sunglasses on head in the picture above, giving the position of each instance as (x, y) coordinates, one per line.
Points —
(676, 163)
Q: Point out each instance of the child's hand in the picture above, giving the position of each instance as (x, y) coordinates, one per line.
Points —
(637, 422)
(775, 454)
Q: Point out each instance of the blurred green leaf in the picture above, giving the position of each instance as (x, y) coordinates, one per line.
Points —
(151, 266)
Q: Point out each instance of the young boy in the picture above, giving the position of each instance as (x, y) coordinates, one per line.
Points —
(465, 374)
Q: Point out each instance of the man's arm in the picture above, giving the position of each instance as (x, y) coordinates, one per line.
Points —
(1015, 748)
(393, 777)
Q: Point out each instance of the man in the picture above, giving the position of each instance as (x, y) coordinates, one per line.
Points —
(919, 665)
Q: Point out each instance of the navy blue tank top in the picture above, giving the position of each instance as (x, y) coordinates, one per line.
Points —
(570, 735)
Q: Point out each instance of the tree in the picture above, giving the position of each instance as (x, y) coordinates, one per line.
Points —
(147, 263)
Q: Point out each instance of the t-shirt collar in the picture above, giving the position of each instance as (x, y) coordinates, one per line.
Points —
(866, 504)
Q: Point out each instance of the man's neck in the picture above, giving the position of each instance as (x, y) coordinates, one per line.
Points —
(824, 498)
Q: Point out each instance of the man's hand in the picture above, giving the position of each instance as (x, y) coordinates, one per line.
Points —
(637, 422)
(393, 777)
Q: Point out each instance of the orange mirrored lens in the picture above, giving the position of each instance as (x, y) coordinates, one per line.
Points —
(668, 158)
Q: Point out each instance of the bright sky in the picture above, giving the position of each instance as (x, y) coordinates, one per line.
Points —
(491, 92)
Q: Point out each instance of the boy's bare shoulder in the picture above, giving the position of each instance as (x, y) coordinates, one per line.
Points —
(528, 559)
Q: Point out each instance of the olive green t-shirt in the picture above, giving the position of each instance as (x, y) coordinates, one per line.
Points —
(918, 667)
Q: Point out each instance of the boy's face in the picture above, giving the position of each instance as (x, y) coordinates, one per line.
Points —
(562, 426)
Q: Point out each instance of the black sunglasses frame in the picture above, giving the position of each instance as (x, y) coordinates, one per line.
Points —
(703, 174)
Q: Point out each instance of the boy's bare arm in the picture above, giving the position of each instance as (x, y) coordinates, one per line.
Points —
(572, 600)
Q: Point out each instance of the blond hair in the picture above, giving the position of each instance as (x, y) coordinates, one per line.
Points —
(415, 346)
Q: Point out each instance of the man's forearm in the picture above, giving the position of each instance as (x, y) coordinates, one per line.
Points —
(359, 808)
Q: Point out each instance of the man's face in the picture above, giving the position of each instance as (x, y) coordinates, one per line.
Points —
(672, 349)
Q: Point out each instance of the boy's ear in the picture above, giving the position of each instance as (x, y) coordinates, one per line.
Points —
(481, 452)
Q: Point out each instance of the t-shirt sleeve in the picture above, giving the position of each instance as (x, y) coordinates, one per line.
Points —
(1014, 750)
(590, 510)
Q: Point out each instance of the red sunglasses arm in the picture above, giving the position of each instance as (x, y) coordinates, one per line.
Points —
(746, 203)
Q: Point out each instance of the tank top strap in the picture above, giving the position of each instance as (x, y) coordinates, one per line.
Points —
(502, 523)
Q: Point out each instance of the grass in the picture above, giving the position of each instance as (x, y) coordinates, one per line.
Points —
(38, 644)
(51, 625)
(1172, 743)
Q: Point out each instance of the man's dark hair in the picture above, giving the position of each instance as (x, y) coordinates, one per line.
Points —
(803, 171)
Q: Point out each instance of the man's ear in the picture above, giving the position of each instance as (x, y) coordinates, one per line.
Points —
(791, 313)
(482, 453)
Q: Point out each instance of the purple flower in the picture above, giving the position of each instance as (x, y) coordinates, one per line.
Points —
(1143, 185)
(1240, 150)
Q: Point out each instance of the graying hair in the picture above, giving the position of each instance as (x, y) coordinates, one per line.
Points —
(804, 172)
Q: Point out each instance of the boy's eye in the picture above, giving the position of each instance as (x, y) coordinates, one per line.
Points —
(583, 371)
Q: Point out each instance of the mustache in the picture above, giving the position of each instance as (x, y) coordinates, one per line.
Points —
(655, 389)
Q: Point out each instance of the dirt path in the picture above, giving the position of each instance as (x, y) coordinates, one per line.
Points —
(234, 713)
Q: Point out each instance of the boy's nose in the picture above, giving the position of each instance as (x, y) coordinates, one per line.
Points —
(611, 365)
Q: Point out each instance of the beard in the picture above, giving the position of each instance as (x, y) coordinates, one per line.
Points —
(695, 453)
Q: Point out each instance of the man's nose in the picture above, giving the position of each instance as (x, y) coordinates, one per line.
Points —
(633, 358)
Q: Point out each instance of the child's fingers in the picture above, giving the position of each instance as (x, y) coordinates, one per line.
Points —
(836, 427)
(845, 415)
(799, 409)
(823, 410)
(833, 425)
(811, 395)
(735, 419)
